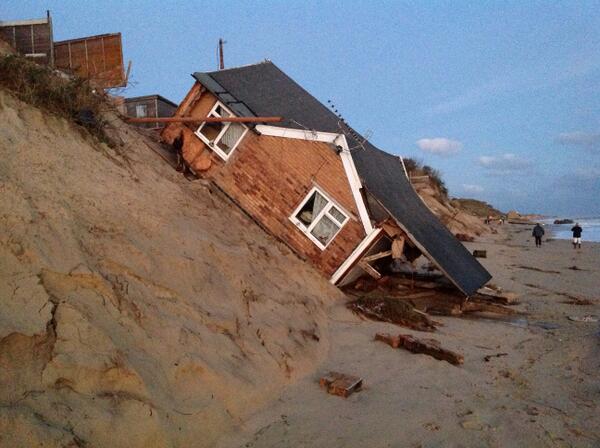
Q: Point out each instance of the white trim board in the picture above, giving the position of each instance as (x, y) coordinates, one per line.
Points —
(355, 184)
(356, 253)
(345, 154)
(300, 134)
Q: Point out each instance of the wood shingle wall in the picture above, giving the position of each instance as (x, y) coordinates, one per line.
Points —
(98, 58)
(31, 38)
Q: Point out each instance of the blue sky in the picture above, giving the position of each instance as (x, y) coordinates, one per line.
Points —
(502, 97)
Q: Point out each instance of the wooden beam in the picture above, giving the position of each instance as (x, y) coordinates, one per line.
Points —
(377, 256)
(369, 269)
(204, 120)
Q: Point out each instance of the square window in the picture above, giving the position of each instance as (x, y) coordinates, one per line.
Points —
(319, 218)
(141, 110)
(222, 137)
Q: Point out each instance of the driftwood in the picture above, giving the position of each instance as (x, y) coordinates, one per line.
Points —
(533, 268)
(487, 358)
(341, 384)
(429, 347)
(482, 307)
(577, 301)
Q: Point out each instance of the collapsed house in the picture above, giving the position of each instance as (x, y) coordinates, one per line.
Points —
(311, 181)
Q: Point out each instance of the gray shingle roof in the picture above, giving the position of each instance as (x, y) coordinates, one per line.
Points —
(264, 90)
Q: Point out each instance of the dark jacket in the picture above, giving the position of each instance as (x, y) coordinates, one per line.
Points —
(538, 231)
(576, 231)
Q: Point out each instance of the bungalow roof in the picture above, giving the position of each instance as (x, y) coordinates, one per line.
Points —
(263, 89)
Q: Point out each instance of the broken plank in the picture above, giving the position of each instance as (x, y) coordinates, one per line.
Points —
(481, 307)
(377, 256)
(504, 298)
(230, 119)
(369, 270)
(392, 341)
(430, 347)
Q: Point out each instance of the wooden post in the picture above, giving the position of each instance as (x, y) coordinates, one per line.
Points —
(221, 61)
(204, 120)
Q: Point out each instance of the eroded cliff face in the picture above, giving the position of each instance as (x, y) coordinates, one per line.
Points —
(458, 221)
(138, 309)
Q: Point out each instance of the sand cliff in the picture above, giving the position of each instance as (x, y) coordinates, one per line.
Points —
(138, 309)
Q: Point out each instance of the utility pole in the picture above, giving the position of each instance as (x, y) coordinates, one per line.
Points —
(221, 61)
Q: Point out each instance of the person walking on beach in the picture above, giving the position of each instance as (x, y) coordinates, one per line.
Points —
(576, 235)
(538, 233)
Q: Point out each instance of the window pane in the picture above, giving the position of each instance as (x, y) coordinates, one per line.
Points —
(230, 138)
(311, 209)
(337, 215)
(211, 130)
(325, 230)
(221, 112)
(141, 110)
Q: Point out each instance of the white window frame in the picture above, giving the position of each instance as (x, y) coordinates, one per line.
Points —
(325, 212)
(213, 144)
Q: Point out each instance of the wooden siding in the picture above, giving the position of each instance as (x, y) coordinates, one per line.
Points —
(98, 58)
(270, 176)
(165, 109)
(30, 39)
(156, 107)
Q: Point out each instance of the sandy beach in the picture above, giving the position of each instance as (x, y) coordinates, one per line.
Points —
(543, 392)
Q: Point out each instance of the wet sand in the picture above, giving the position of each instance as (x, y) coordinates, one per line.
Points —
(544, 393)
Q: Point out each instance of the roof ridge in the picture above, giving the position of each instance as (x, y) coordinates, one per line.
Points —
(265, 61)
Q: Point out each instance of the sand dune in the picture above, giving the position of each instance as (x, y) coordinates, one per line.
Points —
(138, 309)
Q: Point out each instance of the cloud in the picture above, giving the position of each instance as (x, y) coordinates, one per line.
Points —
(439, 146)
(504, 163)
(470, 188)
(588, 173)
(581, 139)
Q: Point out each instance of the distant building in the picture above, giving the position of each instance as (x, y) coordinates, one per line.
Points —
(155, 106)
(96, 58)
(32, 38)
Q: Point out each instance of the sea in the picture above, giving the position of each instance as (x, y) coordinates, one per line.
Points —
(590, 226)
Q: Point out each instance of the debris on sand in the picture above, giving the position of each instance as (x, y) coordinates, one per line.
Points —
(498, 296)
(464, 237)
(487, 358)
(431, 347)
(341, 384)
(578, 301)
(408, 302)
(392, 310)
(531, 268)
(588, 318)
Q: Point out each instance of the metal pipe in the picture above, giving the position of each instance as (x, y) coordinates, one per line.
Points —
(204, 120)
